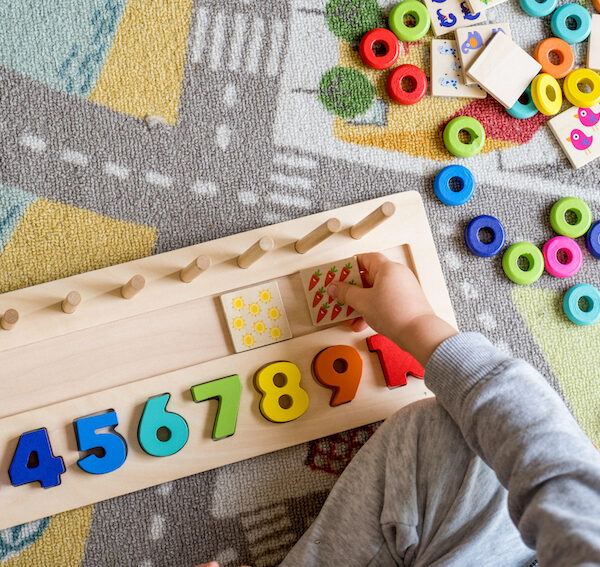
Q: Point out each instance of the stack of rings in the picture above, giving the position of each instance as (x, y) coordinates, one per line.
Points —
(575, 95)
(390, 52)
(510, 263)
(579, 15)
(560, 48)
(546, 94)
(574, 257)
(523, 110)
(441, 185)
(592, 240)
(473, 242)
(475, 130)
(412, 8)
(576, 206)
(416, 77)
(571, 304)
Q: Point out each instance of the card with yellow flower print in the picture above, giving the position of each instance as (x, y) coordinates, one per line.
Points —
(256, 316)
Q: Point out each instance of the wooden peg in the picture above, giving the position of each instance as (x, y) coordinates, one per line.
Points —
(255, 252)
(318, 235)
(71, 302)
(9, 319)
(133, 286)
(193, 270)
(373, 219)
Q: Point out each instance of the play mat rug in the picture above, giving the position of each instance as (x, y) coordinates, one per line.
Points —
(130, 128)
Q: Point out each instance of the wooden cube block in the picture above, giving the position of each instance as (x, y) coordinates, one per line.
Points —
(504, 70)
(593, 54)
(451, 14)
(256, 316)
(472, 41)
(324, 309)
(477, 5)
(578, 131)
(446, 75)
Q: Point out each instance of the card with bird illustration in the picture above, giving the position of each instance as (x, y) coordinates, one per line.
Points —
(447, 15)
(324, 309)
(577, 131)
(256, 316)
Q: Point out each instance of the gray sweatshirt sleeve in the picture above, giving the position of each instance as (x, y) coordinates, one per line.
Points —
(513, 419)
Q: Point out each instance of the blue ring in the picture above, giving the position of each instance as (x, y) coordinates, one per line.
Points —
(441, 185)
(558, 24)
(571, 304)
(538, 9)
(523, 111)
(472, 239)
(592, 240)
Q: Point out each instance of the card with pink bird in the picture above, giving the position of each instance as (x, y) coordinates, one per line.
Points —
(577, 130)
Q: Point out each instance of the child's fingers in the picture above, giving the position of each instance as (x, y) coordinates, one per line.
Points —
(358, 325)
(371, 263)
(211, 564)
(349, 294)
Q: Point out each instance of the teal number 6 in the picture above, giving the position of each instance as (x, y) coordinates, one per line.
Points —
(160, 432)
(228, 392)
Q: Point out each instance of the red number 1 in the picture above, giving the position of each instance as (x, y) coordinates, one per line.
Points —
(396, 363)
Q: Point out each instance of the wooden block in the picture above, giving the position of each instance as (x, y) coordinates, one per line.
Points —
(133, 286)
(472, 41)
(593, 53)
(340, 368)
(193, 270)
(71, 302)
(255, 252)
(372, 220)
(9, 319)
(396, 363)
(446, 75)
(318, 235)
(504, 70)
(577, 132)
(324, 310)
(452, 14)
(476, 5)
(256, 316)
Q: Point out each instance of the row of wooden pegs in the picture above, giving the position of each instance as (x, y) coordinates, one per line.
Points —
(244, 260)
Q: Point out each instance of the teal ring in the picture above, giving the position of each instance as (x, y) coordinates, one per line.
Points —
(523, 111)
(580, 15)
(571, 304)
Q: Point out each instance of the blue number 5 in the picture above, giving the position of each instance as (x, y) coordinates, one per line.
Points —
(108, 450)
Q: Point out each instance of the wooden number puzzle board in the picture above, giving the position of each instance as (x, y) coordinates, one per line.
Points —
(114, 353)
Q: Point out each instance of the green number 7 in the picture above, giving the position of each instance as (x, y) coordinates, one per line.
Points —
(228, 392)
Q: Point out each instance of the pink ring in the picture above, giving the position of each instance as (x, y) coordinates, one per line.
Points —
(574, 257)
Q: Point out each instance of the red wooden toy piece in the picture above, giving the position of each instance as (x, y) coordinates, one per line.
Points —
(339, 367)
(388, 45)
(396, 363)
(417, 78)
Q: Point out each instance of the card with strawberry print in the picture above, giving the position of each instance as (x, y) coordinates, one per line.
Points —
(325, 310)
(256, 316)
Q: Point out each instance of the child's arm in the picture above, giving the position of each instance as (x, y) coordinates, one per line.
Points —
(506, 410)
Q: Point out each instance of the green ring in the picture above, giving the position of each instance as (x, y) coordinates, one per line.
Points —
(510, 263)
(453, 143)
(560, 224)
(418, 12)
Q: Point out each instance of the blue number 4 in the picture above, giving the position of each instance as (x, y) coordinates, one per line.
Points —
(108, 450)
(34, 461)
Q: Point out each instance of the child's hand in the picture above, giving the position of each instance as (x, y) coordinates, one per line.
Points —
(214, 564)
(395, 306)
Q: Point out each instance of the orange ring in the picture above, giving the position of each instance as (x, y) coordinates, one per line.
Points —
(562, 49)
(596, 5)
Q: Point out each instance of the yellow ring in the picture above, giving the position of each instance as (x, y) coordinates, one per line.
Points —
(575, 95)
(546, 94)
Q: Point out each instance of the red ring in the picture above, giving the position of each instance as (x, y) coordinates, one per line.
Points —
(394, 84)
(388, 40)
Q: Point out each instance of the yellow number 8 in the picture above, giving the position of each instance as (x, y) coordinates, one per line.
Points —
(283, 398)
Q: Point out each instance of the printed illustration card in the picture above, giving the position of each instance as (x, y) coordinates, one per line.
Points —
(446, 72)
(324, 309)
(256, 316)
(578, 131)
(472, 41)
(448, 15)
(476, 5)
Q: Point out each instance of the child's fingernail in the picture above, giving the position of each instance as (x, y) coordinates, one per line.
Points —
(332, 290)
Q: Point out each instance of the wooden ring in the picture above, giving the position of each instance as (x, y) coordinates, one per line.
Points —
(564, 52)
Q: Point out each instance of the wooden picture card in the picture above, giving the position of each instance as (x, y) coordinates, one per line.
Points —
(448, 15)
(593, 52)
(504, 70)
(476, 5)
